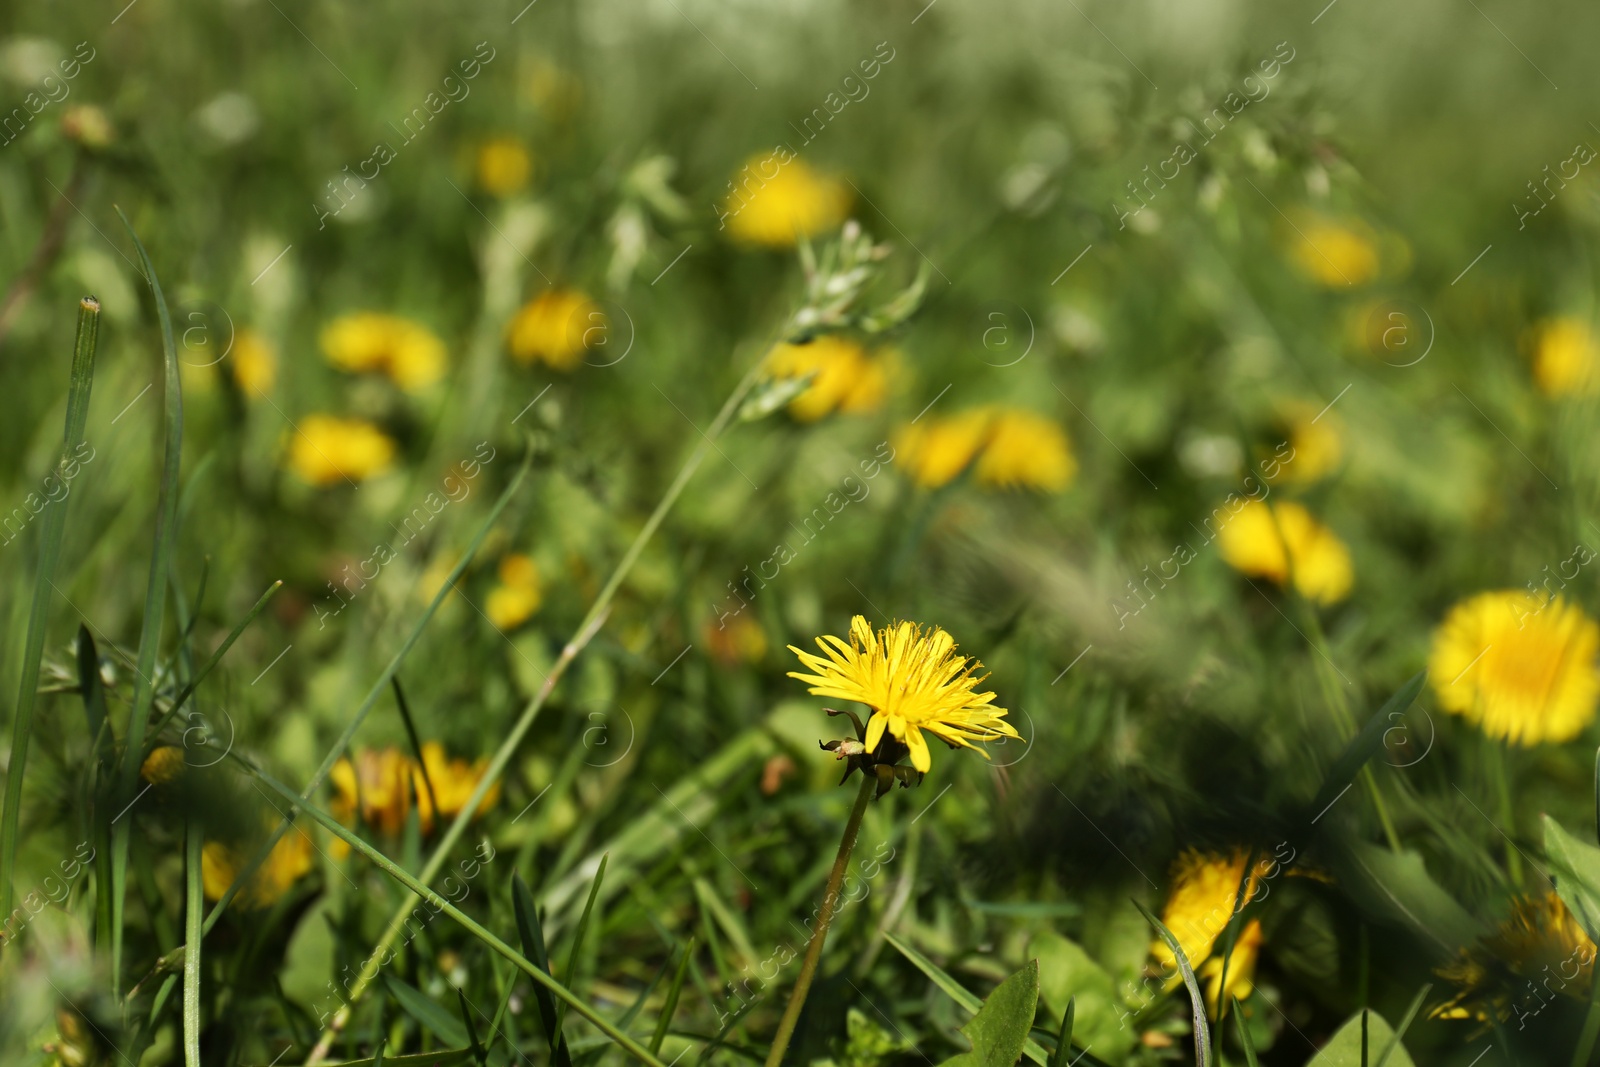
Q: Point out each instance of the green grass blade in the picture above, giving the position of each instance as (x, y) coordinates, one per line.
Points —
(532, 934)
(959, 993)
(1245, 1039)
(1405, 1024)
(671, 1006)
(440, 904)
(216, 657)
(479, 1053)
(343, 743)
(51, 529)
(1202, 1027)
(577, 936)
(1366, 743)
(1064, 1041)
(154, 605)
(193, 910)
(416, 745)
(420, 1007)
(94, 696)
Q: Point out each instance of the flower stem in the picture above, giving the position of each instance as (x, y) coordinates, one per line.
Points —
(830, 898)
(1508, 816)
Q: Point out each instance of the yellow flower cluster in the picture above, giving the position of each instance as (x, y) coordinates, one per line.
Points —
(1007, 448)
(556, 328)
(325, 450)
(776, 200)
(1566, 357)
(504, 166)
(519, 594)
(383, 784)
(1204, 896)
(1269, 541)
(1539, 942)
(1334, 253)
(290, 859)
(846, 378)
(410, 354)
(1520, 676)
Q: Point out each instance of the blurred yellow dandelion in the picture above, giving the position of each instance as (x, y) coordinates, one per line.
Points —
(1253, 542)
(164, 763)
(377, 784)
(775, 200)
(1540, 941)
(453, 783)
(913, 681)
(1316, 442)
(1026, 451)
(740, 640)
(286, 864)
(555, 328)
(326, 449)
(1009, 448)
(407, 352)
(518, 595)
(1522, 670)
(254, 363)
(504, 166)
(1566, 357)
(847, 379)
(1333, 253)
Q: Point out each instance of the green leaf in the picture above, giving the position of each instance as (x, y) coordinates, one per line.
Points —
(436, 1020)
(1397, 886)
(1245, 1040)
(194, 909)
(155, 603)
(533, 946)
(417, 1059)
(479, 1053)
(1575, 868)
(1067, 972)
(1366, 743)
(957, 992)
(1064, 1038)
(671, 1005)
(1197, 1000)
(1344, 1049)
(578, 935)
(1000, 1029)
(52, 527)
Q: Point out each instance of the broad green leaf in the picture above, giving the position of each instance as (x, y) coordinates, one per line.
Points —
(415, 1003)
(1575, 866)
(1000, 1028)
(1344, 1049)
(957, 992)
(1398, 887)
(1066, 971)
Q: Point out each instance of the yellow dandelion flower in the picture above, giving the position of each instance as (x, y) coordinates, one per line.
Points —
(378, 784)
(1316, 443)
(519, 594)
(775, 200)
(1333, 253)
(1566, 357)
(1253, 541)
(913, 681)
(1026, 451)
(407, 352)
(326, 450)
(847, 379)
(286, 864)
(164, 763)
(1540, 941)
(1201, 903)
(1522, 669)
(254, 364)
(937, 451)
(453, 783)
(555, 328)
(1241, 970)
(504, 166)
